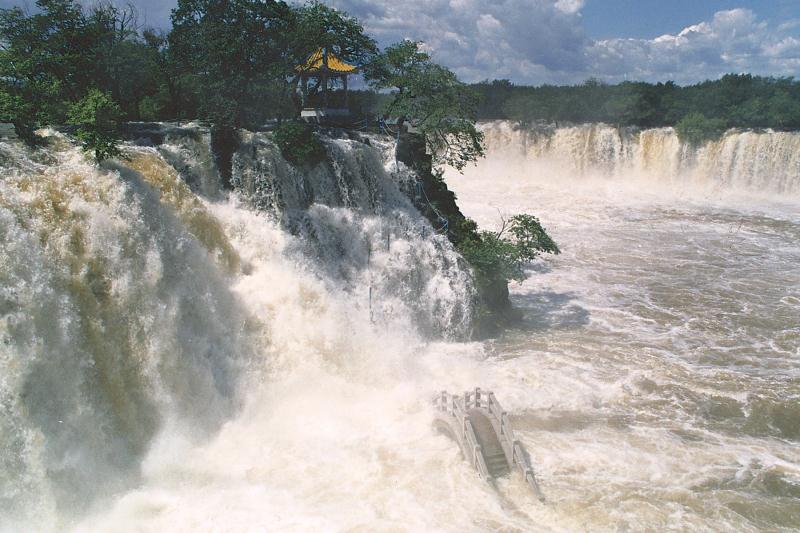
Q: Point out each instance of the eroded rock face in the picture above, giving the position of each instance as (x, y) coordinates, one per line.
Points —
(493, 306)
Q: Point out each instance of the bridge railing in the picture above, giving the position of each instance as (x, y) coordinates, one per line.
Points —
(459, 407)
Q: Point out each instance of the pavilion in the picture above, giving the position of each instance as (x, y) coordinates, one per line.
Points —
(320, 77)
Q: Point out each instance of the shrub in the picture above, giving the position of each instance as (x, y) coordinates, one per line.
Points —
(497, 257)
(696, 129)
(15, 110)
(299, 143)
(97, 119)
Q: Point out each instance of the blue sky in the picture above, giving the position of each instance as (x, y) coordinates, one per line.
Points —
(651, 18)
(567, 41)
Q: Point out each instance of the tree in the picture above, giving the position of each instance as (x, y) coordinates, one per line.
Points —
(432, 98)
(320, 26)
(97, 119)
(493, 96)
(233, 49)
(48, 58)
(503, 254)
(784, 111)
(53, 58)
(696, 129)
(18, 112)
(527, 107)
(499, 257)
(170, 99)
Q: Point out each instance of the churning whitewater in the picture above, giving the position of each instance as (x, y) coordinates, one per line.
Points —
(173, 358)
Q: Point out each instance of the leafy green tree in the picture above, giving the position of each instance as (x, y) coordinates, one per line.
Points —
(504, 254)
(696, 129)
(527, 107)
(431, 97)
(783, 111)
(55, 56)
(233, 49)
(320, 26)
(49, 57)
(530, 237)
(493, 96)
(171, 98)
(14, 109)
(97, 119)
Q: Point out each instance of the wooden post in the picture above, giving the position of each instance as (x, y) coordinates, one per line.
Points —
(346, 94)
(477, 397)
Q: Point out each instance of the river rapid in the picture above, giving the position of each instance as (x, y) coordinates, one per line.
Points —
(177, 360)
(657, 375)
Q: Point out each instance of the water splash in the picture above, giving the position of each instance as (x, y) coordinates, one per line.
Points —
(765, 162)
(135, 314)
(363, 231)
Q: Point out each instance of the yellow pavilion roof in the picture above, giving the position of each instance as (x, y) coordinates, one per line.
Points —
(315, 63)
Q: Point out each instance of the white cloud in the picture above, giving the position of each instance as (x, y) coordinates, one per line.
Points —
(526, 40)
(569, 6)
(733, 41)
(544, 41)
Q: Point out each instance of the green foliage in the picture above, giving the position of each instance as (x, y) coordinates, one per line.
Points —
(55, 56)
(696, 129)
(96, 117)
(232, 52)
(530, 237)
(323, 27)
(738, 100)
(491, 256)
(299, 143)
(431, 97)
(497, 256)
(320, 26)
(783, 110)
(15, 110)
(239, 57)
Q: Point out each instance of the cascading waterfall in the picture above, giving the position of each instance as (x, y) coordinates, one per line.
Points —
(187, 148)
(353, 210)
(174, 357)
(766, 162)
(116, 321)
(135, 312)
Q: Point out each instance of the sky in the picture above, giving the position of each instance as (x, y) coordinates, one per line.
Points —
(568, 41)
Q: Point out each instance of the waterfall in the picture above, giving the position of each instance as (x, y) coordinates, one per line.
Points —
(138, 302)
(362, 229)
(766, 162)
(115, 320)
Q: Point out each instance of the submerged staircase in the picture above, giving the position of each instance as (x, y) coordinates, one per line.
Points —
(483, 430)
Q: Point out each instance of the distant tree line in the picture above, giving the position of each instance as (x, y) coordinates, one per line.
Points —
(699, 111)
